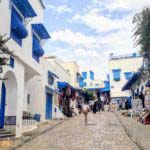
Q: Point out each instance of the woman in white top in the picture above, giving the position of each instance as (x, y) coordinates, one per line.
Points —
(85, 109)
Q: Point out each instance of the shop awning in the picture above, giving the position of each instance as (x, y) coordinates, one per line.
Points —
(25, 8)
(131, 81)
(106, 88)
(18, 27)
(147, 83)
(41, 31)
(37, 49)
(93, 89)
(62, 85)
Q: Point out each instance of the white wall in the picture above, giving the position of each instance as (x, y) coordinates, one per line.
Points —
(36, 89)
(126, 65)
(59, 70)
(25, 66)
(25, 52)
(72, 68)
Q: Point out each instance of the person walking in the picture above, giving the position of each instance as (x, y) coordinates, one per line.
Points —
(99, 104)
(95, 107)
(85, 109)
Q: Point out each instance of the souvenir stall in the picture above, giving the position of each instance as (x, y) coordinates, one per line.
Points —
(65, 98)
(145, 116)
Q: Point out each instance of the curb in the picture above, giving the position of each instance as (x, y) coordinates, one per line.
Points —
(36, 135)
(128, 134)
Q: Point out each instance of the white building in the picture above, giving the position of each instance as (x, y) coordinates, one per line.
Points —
(89, 78)
(73, 69)
(43, 93)
(21, 21)
(59, 70)
(120, 70)
(90, 82)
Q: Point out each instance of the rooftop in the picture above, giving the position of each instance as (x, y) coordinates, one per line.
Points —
(133, 55)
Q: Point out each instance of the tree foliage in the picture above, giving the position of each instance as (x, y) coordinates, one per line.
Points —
(142, 35)
(4, 53)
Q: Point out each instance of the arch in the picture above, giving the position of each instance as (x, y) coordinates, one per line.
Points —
(11, 98)
(2, 105)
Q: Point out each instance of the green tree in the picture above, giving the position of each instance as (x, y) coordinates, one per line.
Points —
(142, 37)
(4, 53)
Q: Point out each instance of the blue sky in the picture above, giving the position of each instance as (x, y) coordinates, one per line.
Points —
(87, 31)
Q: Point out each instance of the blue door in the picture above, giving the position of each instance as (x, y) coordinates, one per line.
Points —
(48, 106)
(2, 106)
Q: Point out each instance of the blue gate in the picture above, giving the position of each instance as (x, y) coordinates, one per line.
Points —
(2, 106)
(48, 114)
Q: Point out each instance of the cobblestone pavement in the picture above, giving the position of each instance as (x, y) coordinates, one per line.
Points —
(103, 132)
(137, 131)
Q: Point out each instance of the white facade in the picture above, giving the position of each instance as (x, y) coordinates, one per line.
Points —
(73, 69)
(38, 87)
(59, 70)
(88, 81)
(126, 63)
(25, 67)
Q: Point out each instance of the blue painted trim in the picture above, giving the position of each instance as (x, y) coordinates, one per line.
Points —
(48, 113)
(2, 106)
(116, 74)
(127, 75)
(12, 61)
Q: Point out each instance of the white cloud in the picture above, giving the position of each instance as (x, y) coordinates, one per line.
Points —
(100, 23)
(130, 5)
(86, 59)
(92, 52)
(74, 38)
(59, 9)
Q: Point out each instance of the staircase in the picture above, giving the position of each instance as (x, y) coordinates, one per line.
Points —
(7, 139)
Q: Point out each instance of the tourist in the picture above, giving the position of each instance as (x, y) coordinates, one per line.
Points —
(85, 109)
(95, 107)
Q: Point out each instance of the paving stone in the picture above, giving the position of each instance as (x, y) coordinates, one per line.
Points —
(103, 132)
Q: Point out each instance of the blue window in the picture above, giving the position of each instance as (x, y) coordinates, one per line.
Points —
(84, 84)
(81, 82)
(84, 74)
(134, 54)
(50, 78)
(91, 75)
(127, 75)
(116, 74)
(11, 62)
(37, 50)
(18, 30)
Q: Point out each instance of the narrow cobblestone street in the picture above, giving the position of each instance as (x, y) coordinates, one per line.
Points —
(103, 132)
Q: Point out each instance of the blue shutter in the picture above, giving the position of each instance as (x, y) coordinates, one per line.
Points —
(84, 74)
(18, 30)
(91, 75)
(81, 82)
(116, 74)
(37, 49)
(127, 75)
(84, 84)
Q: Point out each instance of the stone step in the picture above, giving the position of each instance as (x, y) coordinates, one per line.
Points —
(5, 132)
(6, 135)
(2, 130)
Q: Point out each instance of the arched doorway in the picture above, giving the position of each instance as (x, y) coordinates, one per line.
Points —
(2, 105)
(11, 98)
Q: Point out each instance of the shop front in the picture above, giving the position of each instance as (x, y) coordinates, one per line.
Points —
(67, 95)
